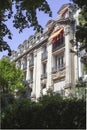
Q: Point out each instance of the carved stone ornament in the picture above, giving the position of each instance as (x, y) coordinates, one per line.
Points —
(67, 30)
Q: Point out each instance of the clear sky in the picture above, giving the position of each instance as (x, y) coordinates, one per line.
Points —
(42, 18)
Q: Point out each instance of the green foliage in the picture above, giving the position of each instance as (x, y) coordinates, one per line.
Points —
(82, 28)
(6, 99)
(85, 67)
(55, 113)
(10, 77)
(47, 99)
(24, 16)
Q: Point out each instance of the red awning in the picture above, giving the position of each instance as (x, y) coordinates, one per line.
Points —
(57, 35)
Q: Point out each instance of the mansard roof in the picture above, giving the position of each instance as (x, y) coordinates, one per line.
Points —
(21, 45)
(64, 6)
(50, 21)
(31, 37)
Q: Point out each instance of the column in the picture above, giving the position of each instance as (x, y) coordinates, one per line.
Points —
(38, 72)
(27, 75)
(22, 61)
(67, 56)
(34, 74)
(49, 66)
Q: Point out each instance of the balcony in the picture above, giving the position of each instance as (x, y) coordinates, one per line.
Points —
(58, 75)
(40, 40)
(44, 76)
(31, 63)
(54, 69)
(58, 45)
(62, 66)
(58, 68)
(44, 56)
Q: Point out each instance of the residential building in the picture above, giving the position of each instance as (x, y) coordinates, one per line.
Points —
(46, 58)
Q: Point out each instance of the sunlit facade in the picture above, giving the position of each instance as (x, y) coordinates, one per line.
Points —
(46, 58)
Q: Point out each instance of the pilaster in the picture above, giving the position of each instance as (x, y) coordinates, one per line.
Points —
(67, 57)
(28, 74)
(49, 66)
(38, 73)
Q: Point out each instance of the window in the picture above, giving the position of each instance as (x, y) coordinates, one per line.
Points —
(37, 39)
(31, 56)
(31, 74)
(58, 44)
(31, 61)
(62, 59)
(25, 62)
(44, 74)
(44, 68)
(59, 61)
(44, 53)
(25, 76)
(44, 49)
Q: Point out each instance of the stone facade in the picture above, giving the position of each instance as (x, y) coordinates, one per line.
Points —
(46, 59)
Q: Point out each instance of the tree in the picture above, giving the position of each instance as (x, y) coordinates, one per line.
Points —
(51, 112)
(11, 78)
(81, 33)
(24, 16)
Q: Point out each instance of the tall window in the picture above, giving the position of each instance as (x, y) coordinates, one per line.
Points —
(31, 61)
(44, 49)
(44, 68)
(25, 76)
(44, 71)
(31, 56)
(59, 61)
(25, 63)
(31, 74)
(44, 53)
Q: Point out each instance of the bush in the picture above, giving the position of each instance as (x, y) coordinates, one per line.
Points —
(6, 99)
(49, 112)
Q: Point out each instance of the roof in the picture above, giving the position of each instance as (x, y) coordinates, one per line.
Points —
(63, 6)
(50, 21)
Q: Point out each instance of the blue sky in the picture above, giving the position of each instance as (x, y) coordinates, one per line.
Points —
(42, 18)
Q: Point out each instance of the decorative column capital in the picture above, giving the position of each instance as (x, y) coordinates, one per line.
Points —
(67, 30)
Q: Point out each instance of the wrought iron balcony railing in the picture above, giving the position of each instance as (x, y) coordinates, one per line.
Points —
(58, 68)
(57, 47)
(44, 76)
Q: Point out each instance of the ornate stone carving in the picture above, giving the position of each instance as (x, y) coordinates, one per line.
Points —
(67, 30)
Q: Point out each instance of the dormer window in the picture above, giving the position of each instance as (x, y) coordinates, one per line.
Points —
(63, 11)
(37, 39)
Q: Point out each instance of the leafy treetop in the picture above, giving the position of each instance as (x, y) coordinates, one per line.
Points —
(24, 16)
(81, 33)
(11, 78)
